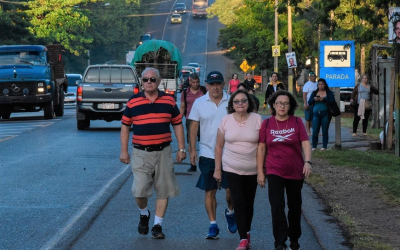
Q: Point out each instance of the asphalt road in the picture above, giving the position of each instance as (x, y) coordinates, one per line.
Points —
(66, 189)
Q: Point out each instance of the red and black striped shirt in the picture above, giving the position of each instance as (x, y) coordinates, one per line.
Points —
(151, 121)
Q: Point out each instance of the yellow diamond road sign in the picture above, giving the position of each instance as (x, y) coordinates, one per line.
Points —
(276, 51)
(246, 67)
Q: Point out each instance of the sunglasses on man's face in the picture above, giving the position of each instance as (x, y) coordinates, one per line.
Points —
(146, 79)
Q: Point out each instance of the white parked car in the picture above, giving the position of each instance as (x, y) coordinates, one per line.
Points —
(345, 96)
(70, 96)
(196, 66)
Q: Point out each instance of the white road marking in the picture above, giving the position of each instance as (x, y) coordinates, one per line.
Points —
(71, 222)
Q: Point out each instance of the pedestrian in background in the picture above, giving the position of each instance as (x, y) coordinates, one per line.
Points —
(319, 99)
(255, 99)
(208, 111)
(273, 86)
(361, 100)
(308, 88)
(249, 81)
(235, 155)
(188, 97)
(251, 92)
(284, 140)
(233, 84)
(150, 114)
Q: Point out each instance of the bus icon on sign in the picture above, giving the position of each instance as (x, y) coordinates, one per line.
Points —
(337, 55)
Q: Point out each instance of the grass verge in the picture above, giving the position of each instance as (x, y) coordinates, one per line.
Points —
(361, 240)
(383, 167)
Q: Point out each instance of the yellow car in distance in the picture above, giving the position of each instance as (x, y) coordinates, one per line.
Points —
(176, 18)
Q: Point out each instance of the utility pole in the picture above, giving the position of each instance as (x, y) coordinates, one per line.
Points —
(397, 100)
(276, 35)
(290, 71)
(88, 54)
(362, 61)
(338, 126)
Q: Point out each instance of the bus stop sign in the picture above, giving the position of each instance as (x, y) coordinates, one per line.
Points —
(337, 63)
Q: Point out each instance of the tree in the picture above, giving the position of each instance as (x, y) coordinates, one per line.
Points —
(252, 37)
(249, 27)
(14, 23)
(113, 31)
(59, 20)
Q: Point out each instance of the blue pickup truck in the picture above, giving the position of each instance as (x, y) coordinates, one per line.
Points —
(32, 78)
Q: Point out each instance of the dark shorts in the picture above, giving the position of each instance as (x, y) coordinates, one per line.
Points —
(308, 114)
(206, 180)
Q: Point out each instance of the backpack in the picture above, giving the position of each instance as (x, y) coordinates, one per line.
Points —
(202, 88)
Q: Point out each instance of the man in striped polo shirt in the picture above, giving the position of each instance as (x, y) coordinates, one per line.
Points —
(150, 114)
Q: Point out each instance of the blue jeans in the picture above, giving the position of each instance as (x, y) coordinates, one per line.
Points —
(320, 119)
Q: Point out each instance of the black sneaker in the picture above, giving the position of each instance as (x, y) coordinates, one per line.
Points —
(143, 227)
(192, 168)
(280, 247)
(294, 246)
(157, 233)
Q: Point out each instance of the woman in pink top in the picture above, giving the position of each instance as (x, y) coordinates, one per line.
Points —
(233, 84)
(283, 138)
(235, 156)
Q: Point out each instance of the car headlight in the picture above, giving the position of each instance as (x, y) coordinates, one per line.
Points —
(40, 90)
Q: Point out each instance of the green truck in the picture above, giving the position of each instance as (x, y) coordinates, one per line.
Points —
(163, 56)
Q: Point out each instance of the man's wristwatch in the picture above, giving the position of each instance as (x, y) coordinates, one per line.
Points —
(182, 150)
(309, 162)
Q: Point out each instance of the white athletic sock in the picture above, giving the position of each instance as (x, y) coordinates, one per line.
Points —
(213, 222)
(144, 211)
(157, 220)
(230, 212)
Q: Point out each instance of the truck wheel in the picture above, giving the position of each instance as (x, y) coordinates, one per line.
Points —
(82, 124)
(5, 115)
(59, 109)
(48, 110)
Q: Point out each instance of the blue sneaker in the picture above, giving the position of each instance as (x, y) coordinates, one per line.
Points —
(230, 219)
(213, 232)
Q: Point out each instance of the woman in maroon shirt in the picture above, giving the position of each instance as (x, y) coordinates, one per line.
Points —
(283, 140)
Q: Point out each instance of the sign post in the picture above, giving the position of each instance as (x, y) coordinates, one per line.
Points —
(337, 67)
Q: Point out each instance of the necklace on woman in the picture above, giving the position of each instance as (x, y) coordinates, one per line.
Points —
(239, 120)
(287, 121)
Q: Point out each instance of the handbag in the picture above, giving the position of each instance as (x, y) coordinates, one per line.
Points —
(333, 109)
(368, 104)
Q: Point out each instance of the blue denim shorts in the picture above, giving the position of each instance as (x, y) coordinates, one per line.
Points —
(206, 180)
(308, 114)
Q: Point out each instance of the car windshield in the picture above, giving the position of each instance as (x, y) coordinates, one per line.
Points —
(176, 15)
(145, 37)
(23, 57)
(180, 5)
(72, 80)
(194, 65)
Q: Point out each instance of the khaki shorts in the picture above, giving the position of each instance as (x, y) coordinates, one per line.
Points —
(153, 169)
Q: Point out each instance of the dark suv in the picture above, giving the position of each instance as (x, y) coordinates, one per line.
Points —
(180, 8)
(183, 79)
(144, 38)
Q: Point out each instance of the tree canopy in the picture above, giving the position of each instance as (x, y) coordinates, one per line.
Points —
(250, 25)
(107, 28)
